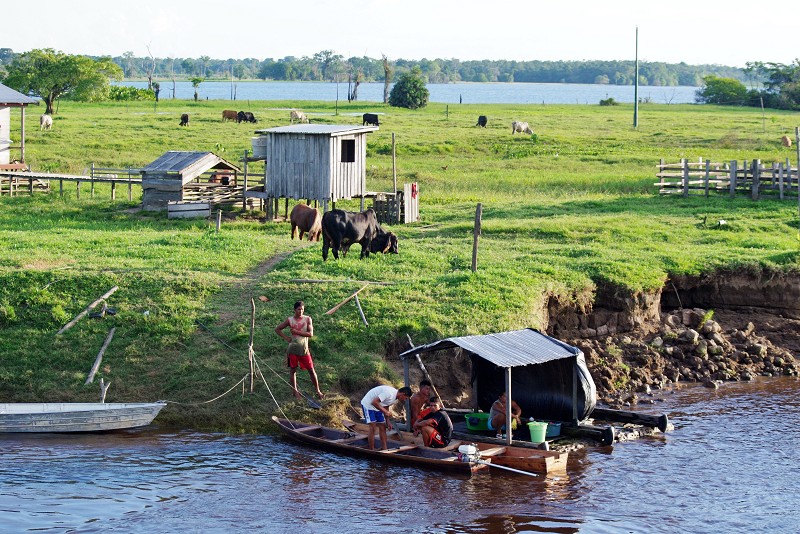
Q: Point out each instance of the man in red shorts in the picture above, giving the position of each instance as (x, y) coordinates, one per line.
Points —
(434, 424)
(298, 353)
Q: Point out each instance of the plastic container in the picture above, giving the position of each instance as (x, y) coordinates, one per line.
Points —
(538, 431)
(477, 421)
(553, 430)
(259, 145)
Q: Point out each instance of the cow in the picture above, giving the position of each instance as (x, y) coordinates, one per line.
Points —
(521, 127)
(298, 116)
(229, 115)
(241, 117)
(482, 121)
(307, 220)
(184, 119)
(249, 117)
(45, 122)
(786, 141)
(341, 229)
(369, 118)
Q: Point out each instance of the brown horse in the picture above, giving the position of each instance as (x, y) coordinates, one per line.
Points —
(306, 219)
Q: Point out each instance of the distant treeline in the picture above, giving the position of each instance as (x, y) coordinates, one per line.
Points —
(329, 66)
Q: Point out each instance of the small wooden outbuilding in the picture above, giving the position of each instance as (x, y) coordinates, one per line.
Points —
(323, 162)
(176, 177)
(9, 98)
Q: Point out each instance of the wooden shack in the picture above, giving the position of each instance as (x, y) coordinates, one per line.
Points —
(9, 98)
(323, 162)
(179, 176)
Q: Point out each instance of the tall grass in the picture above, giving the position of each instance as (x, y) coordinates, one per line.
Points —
(564, 211)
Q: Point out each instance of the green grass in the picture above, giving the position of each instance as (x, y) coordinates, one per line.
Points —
(565, 211)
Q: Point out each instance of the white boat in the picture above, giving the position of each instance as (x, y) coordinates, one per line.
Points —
(76, 416)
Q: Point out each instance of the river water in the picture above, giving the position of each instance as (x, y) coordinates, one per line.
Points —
(730, 465)
(446, 93)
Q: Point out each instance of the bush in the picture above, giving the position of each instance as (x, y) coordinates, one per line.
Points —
(409, 91)
(609, 102)
(724, 91)
(124, 92)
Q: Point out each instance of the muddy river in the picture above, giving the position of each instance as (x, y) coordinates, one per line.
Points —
(730, 465)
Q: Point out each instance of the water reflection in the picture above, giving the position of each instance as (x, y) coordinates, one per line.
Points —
(729, 465)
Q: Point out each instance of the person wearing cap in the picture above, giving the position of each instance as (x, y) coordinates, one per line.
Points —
(419, 399)
(375, 406)
(497, 415)
(435, 425)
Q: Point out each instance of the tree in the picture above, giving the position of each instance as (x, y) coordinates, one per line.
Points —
(196, 83)
(50, 75)
(327, 59)
(387, 77)
(725, 91)
(409, 91)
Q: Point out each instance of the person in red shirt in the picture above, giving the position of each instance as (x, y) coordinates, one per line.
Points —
(434, 424)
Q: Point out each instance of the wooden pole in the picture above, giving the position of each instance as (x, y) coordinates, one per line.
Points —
(103, 389)
(219, 219)
(361, 311)
(685, 164)
(708, 171)
(82, 314)
(252, 333)
(394, 179)
(733, 171)
(96, 366)
(476, 233)
(345, 301)
(509, 430)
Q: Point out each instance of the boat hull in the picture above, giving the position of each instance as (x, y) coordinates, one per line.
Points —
(76, 416)
(521, 458)
(355, 444)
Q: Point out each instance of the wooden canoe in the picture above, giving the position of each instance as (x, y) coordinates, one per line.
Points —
(76, 416)
(354, 443)
(520, 458)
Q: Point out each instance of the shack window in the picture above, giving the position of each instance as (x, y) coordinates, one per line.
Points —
(348, 150)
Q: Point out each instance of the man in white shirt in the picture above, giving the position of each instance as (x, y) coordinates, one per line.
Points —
(375, 406)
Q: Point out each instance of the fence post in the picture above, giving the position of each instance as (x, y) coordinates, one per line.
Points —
(708, 170)
(685, 163)
(734, 170)
(476, 233)
(661, 175)
(91, 175)
(756, 179)
(780, 181)
(130, 186)
(78, 186)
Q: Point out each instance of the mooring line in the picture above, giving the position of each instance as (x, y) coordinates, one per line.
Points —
(209, 401)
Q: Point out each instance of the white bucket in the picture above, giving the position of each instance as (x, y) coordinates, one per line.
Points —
(259, 146)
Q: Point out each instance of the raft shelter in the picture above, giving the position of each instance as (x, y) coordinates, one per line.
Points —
(9, 98)
(178, 178)
(549, 380)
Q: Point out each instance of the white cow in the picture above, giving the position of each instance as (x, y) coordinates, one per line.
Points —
(45, 122)
(296, 115)
(521, 127)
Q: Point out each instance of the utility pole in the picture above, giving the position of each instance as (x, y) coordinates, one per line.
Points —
(636, 84)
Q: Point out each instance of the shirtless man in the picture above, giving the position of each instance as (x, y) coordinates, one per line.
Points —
(419, 399)
(497, 414)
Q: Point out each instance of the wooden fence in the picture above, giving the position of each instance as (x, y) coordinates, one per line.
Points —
(753, 178)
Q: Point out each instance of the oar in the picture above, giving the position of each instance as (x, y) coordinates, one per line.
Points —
(490, 464)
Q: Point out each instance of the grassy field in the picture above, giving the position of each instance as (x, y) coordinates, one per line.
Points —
(565, 211)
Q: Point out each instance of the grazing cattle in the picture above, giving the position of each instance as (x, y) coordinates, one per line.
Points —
(786, 141)
(482, 121)
(184, 119)
(307, 220)
(229, 115)
(341, 229)
(521, 127)
(249, 117)
(370, 118)
(241, 117)
(45, 122)
(298, 116)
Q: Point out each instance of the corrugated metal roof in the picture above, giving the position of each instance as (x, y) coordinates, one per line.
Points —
(506, 349)
(178, 161)
(9, 96)
(320, 129)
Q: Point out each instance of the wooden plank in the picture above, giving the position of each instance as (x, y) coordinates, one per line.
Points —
(86, 311)
(96, 366)
(308, 428)
(185, 210)
(398, 449)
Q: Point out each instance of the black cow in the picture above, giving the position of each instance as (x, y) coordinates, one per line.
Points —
(184, 119)
(341, 229)
(370, 118)
(249, 117)
(482, 121)
(241, 117)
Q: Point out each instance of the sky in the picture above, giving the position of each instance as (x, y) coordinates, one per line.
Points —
(694, 32)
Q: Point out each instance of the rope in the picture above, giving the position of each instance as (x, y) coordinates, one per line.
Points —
(209, 401)
(268, 388)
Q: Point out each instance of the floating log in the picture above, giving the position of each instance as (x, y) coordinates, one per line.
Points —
(660, 422)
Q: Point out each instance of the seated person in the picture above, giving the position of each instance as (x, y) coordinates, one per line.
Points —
(497, 415)
(434, 424)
